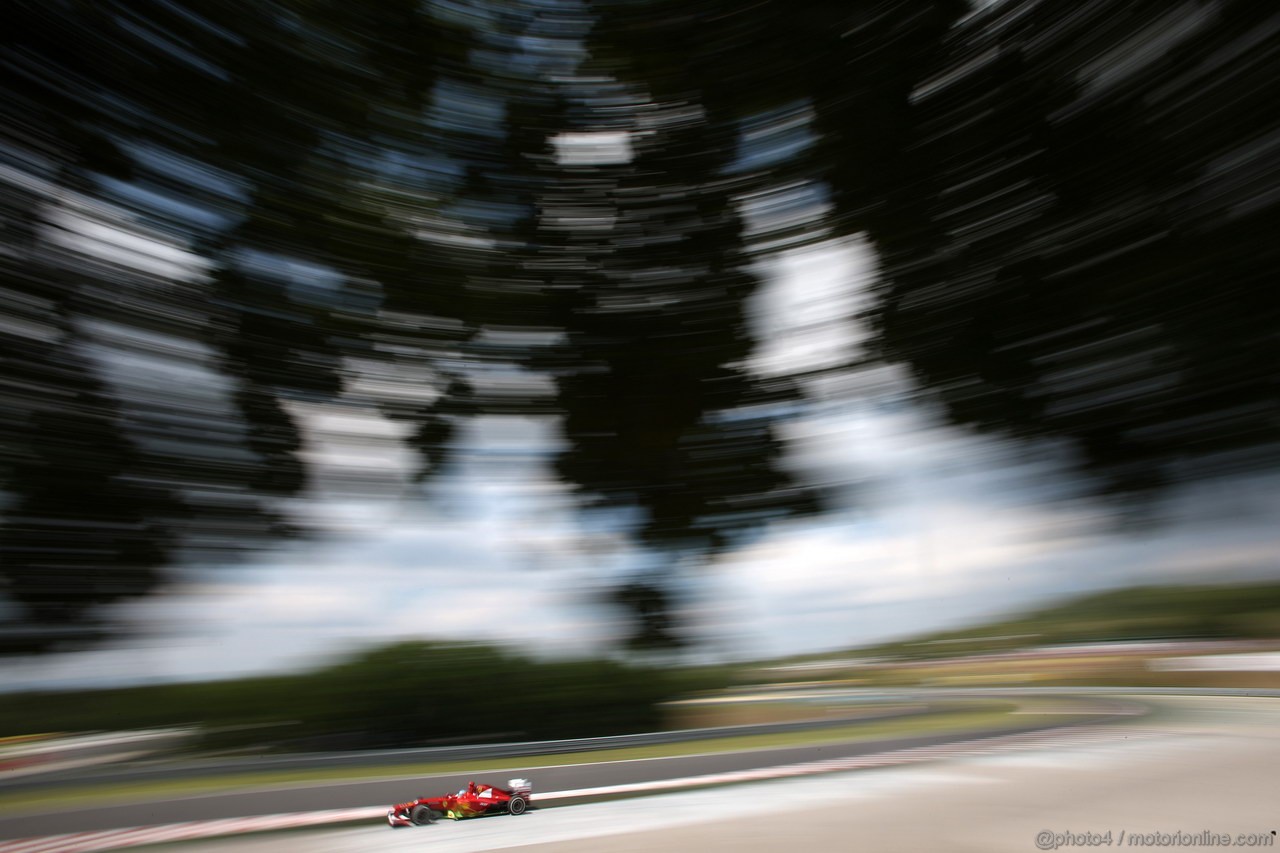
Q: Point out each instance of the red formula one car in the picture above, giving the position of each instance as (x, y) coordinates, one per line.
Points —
(472, 801)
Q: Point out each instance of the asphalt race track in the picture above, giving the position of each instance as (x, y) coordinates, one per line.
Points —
(1098, 707)
(373, 792)
(1205, 768)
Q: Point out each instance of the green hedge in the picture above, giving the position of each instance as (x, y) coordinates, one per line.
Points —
(405, 694)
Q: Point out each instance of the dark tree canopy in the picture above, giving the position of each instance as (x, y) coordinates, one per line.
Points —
(1087, 251)
(1073, 212)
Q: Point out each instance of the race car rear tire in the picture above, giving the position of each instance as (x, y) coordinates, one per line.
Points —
(517, 805)
(421, 816)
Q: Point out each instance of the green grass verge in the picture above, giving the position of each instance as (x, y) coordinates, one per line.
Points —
(989, 715)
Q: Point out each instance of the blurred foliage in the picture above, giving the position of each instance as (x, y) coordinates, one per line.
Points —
(1228, 611)
(1073, 223)
(407, 694)
(1072, 209)
(1080, 239)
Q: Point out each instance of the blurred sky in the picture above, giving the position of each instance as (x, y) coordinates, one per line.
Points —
(934, 527)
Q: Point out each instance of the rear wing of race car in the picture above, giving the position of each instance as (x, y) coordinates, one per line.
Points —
(523, 787)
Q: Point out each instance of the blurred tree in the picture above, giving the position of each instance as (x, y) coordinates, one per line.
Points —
(405, 694)
(1078, 243)
(1073, 226)
(140, 131)
(1070, 247)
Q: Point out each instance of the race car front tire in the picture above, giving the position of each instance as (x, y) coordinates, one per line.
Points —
(421, 816)
(517, 805)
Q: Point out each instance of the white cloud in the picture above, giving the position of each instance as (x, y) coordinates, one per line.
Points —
(104, 232)
(803, 318)
(939, 527)
(592, 149)
(946, 527)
